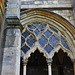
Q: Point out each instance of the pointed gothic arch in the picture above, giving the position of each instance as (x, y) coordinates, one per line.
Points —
(60, 27)
(37, 64)
(62, 64)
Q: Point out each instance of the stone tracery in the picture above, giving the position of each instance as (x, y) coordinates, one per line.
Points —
(38, 22)
(46, 37)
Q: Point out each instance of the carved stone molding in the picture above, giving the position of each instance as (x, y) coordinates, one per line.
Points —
(25, 61)
(13, 22)
(49, 61)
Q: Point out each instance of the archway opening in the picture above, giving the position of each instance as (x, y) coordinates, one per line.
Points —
(37, 64)
(21, 66)
(62, 64)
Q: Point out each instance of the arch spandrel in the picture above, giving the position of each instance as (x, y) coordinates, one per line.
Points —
(51, 20)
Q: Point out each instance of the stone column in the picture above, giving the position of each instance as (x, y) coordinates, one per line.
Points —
(73, 60)
(49, 61)
(11, 56)
(24, 66)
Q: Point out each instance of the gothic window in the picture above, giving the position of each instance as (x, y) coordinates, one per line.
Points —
(45, 35)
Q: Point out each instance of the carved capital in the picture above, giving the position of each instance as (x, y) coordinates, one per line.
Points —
(25, 61)
(49, 61)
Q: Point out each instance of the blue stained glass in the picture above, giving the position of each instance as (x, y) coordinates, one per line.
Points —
(30, 41)
(36, 32)
(22, 41)
(53, 41)
(42, 41)
(64, 43)
(25, 49)
(42, 26)
(48, 48)
(48, 33)
(31, 27)
(25, 34)
(53, 30)
(36, 24)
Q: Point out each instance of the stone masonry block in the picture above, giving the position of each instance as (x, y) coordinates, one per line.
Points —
(11, 61)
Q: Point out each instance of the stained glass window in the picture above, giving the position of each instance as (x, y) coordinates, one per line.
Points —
(42, 41)
(36, 24)
(25, 49)
(25, 34)
(26, 39)
(31, 27)
(36, 28)
(42, 26)
(48, 33)
(43, 34)
(53, 41)
(48, 48)
(30, 41)
(36, 32)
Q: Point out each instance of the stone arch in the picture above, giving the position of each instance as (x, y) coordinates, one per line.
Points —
(50, 15)
(60, 62)
(69, 54)
(38, 63)
(56, 22)
(28, 54)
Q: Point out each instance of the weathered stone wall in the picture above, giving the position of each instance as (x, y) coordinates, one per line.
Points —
(2, 21)
(61, 7)
(12, 42)
(13, 8)
(67, 14)
(11, 56)
(45, 3)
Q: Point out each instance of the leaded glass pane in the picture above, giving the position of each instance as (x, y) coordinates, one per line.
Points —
(31, 27)
(42, 41)
(36, 24)
(53, 41)
(42, 26)
(48, 48)
(48, 33)
(64, 43)
(25, 34)
(30, 41)
(36, 32)
(48, 40)
(25, 49)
